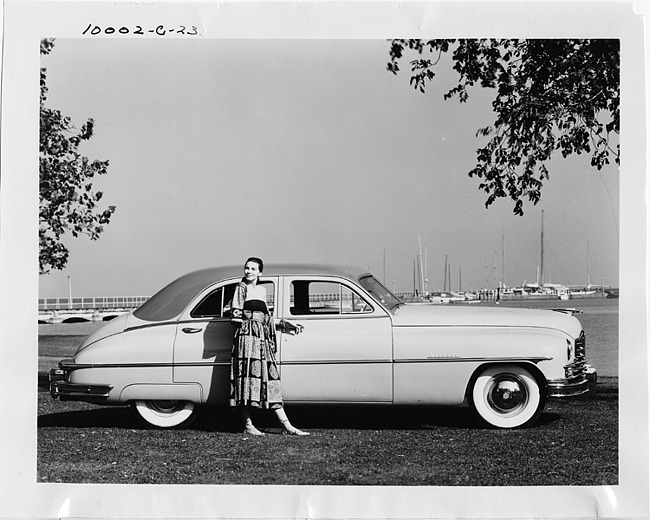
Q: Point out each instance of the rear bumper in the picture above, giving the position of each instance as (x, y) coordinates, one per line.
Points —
(60, 388)
(575, 386)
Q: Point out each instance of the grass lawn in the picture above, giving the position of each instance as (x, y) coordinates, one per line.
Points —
(575, 443)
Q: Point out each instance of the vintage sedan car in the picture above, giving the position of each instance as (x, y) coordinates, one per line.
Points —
(342, 338)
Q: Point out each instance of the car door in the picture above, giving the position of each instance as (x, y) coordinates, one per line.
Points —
(344, 351)
(204, 337)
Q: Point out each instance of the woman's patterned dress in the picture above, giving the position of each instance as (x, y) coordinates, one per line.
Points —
(254, 373)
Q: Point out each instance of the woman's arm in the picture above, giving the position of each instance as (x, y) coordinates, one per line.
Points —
(238, 300)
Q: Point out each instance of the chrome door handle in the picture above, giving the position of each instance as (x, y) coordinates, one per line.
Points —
(290, 328)
(191, 330)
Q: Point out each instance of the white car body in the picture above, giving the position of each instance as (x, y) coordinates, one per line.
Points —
(359, 344)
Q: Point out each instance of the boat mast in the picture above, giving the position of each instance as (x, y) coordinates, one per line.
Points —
(588, 267)
(414, 289)
(503, 261)
(421, 266)
(426, 262)
(444, 284)
(541, 268)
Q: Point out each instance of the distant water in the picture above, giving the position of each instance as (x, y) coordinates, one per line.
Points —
(599, 319)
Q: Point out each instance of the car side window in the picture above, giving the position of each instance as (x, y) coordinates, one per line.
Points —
(325, 298)
(214, 305)
(218, 303)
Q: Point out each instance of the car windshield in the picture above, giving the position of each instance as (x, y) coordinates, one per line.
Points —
(383, 295)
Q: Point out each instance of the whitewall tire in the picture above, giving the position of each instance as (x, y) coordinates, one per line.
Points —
(507, 396)
(165, 414)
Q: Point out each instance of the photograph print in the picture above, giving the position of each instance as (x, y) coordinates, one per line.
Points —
(323, 260)
(434, 228)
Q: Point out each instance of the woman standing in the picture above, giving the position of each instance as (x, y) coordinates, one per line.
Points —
(254, 374)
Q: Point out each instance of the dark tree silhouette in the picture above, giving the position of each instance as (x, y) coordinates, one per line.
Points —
(550, 96)
(67, 200)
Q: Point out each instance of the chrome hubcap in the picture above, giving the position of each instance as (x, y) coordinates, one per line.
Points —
(507, 394)
(164, 406)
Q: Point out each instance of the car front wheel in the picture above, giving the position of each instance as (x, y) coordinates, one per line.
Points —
(507, 396)
(165, 414)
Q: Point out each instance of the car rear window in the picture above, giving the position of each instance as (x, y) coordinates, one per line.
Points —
(169, 302)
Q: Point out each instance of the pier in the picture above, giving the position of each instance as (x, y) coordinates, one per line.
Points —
(71, 310)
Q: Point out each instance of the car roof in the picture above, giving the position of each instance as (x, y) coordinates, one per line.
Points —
(172, 299)
(216, 274)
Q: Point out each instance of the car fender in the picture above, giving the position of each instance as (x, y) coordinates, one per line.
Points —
(161, 392)
(533, 368)
(436, 364)
(142, 355)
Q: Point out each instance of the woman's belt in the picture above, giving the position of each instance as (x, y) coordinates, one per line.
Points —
(254, 315)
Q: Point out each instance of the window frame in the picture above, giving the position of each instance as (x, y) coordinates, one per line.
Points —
(221, 286)
(343, 283)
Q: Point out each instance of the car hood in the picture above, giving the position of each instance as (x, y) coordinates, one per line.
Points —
(436, 315)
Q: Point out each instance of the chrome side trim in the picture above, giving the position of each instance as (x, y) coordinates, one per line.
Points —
(337, 362)
(152, 324)
(458, 359)
(431, 359)
(202, 319)
(437, 359)
(79, 366)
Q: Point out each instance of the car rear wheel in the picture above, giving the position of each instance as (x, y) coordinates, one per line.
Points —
(507, 396)
(165, 414)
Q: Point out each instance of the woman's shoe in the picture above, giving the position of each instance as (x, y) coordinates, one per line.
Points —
(251, 430)
(288, 429)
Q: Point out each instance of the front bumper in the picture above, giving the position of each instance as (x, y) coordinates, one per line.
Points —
(574, 386)
(60, 388)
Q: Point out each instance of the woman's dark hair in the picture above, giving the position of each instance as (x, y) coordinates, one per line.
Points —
(258, 261)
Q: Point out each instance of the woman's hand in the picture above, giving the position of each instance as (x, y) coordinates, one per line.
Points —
(290, 328)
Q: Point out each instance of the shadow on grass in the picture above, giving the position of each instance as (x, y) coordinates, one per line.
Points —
(225, 420)
(100, 417)
(379, 417)
(388, 417)
(124, 417)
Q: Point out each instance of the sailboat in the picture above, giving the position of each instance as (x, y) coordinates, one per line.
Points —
(590, 291)
(538, 290)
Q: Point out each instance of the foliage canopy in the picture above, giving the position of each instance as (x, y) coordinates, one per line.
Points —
(550, 95)
(67, 200)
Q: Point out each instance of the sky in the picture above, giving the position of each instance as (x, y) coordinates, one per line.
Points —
(305, 151)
